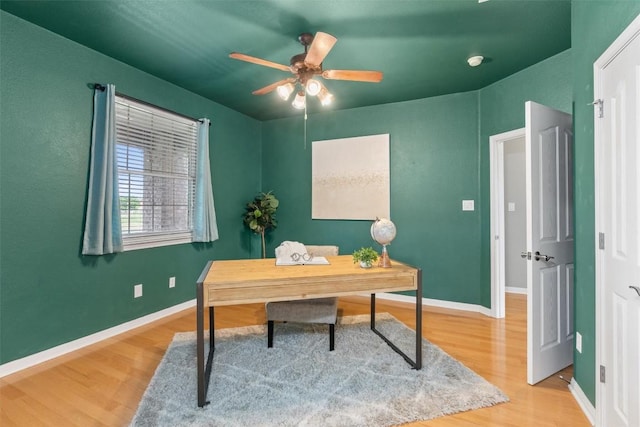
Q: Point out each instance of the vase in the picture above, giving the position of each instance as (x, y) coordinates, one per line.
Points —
(364, 264)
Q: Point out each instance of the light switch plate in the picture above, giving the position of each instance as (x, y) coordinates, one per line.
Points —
(511, 207)
(468, 205)
(137, 290)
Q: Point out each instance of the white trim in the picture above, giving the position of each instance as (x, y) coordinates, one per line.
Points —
(583, 401)
(626, 37)
(497, 241)
(437, 303)
(516, 290)
(37, 358)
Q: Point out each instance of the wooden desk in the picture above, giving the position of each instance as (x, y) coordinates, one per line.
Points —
(260, 280)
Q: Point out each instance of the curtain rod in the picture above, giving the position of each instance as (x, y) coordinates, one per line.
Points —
(101, 88)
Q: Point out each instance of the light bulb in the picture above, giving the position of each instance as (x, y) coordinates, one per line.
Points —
(325, 97)
(299, 101)
(313, 87)
(285, 91)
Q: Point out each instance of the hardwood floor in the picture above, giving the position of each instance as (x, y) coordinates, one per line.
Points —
(101, 385)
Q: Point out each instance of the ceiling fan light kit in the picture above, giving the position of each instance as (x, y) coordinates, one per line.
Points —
(325, 97)
(305, 66)
(285, 90)
(299, 101)
(313, 87)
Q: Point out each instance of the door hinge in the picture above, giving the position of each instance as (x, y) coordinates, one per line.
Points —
(602, 374)
(600, 104)
(600, 240)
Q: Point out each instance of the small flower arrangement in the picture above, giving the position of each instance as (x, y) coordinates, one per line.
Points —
(365, 256)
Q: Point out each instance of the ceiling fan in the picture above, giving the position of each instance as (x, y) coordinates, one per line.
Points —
(305, 67)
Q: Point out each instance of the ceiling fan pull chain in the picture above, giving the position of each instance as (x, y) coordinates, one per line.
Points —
(305, 126)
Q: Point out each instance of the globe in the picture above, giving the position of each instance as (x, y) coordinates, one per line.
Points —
(383, 231)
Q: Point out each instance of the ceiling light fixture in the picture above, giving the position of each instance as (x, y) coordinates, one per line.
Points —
(299, 101)
(325, 97)
(313, 87)
(285, 91)
(474, 61)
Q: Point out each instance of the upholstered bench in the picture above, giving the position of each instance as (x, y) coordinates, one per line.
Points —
(317, 310)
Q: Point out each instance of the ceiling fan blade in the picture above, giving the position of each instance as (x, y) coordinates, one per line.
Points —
(320, 47)
(272, 86)
(353, 75)
(254, 60)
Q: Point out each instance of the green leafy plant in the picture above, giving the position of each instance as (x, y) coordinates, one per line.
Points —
(365, 255)
(260, 215)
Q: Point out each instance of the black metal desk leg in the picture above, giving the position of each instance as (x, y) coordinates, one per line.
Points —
(373, 311)
(211, 329)
(200, 345)
(418, 363)
(204, 368)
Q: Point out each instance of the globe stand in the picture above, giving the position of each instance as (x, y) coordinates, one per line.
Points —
(384, 262)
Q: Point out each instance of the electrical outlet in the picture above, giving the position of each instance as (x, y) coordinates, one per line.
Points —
(172, 282)
(579, 342)
(137, 290)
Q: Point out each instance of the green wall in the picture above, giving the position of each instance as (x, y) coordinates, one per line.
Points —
(433, 165)
(49, 293)
(610, 18)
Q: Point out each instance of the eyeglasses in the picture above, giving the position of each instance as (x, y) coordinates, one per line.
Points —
(295, 257)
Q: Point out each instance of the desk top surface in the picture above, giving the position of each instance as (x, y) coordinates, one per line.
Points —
(234, 271)
(260, 280)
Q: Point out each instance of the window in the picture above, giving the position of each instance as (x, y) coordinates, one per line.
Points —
(156, 153)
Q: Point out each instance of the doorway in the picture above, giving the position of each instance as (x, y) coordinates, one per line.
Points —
(508, 217)
(548, 253)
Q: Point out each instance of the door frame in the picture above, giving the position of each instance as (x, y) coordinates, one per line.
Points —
(497, 236)
(599, 65)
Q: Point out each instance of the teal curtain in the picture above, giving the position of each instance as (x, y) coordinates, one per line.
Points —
(205, 228)
(102, 231)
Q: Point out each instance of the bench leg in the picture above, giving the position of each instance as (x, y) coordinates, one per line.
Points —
(270, 333)
(332, 334)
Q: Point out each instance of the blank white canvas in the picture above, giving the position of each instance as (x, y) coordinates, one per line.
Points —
(350, 178)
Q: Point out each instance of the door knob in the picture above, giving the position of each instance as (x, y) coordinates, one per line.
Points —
(539, 257)
(635, 288)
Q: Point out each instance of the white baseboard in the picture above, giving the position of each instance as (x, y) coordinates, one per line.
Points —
(37, 358)
(437, 303)
(515, 290)
(583, 401)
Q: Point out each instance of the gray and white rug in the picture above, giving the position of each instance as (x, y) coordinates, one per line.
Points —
(299, 382)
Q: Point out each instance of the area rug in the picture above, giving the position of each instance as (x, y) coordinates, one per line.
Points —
(299, 382)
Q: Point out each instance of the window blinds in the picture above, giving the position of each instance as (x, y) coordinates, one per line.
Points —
(156, 153)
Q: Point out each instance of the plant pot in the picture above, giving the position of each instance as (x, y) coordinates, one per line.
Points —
(364, 264)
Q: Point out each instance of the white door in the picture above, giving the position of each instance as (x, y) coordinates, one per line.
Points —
(549, 141)
(617, 152)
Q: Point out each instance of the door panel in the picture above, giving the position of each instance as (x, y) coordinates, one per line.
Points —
(549, 308)
(617, 151)
(550, 332)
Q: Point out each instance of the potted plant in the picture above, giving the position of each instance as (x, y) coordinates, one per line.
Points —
(260, 215)
(365, 256)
